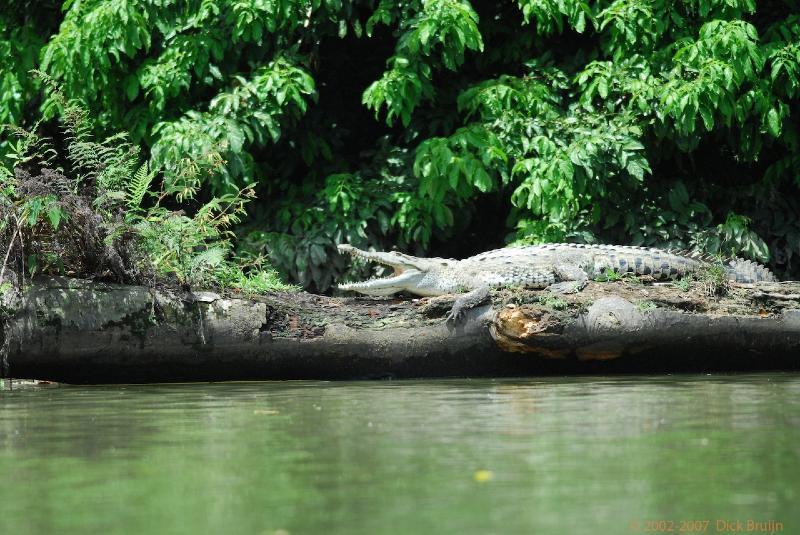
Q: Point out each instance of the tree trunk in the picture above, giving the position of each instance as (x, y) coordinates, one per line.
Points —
(78, 331)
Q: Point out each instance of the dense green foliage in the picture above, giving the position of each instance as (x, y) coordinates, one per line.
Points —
(94, 218)
(444, 125)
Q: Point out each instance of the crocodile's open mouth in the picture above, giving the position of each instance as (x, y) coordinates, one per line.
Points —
(403, 273)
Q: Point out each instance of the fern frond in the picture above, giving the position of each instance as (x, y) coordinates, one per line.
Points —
(210, 258)
(118, 166)
(30, 146)
(138, 186)
(84, 158)
(88, 158)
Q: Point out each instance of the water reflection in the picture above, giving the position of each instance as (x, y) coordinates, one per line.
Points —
(577, 455)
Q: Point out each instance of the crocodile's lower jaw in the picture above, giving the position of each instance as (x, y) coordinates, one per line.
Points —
(403, 279)
(361, 288)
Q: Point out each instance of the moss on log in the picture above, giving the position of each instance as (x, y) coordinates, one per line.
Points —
(78, 331)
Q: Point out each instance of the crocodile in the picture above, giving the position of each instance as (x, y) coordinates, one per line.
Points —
(558, 267)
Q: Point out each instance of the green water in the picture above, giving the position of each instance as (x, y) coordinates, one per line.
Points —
(577, 455)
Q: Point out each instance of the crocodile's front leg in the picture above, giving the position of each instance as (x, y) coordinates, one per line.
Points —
(467, 301)
(573, 279)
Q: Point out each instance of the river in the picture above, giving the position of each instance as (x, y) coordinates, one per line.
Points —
(599, 455)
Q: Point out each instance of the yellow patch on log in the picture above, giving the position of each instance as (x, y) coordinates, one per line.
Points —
(525, 330)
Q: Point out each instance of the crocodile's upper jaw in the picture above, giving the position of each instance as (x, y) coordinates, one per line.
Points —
(409, 271)
(386, 286)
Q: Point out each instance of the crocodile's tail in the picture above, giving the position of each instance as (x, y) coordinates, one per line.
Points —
(747, 271)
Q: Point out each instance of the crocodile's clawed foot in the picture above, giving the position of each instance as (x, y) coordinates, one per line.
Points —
(454, 317)
(567, 287)
(457, 314)
(464, 303)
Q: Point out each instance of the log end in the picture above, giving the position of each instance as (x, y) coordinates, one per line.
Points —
(528, 329)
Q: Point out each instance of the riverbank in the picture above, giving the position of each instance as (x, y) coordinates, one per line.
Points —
(73, 330)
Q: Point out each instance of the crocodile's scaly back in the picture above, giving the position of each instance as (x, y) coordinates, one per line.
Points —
(596, 259)
(538, 266)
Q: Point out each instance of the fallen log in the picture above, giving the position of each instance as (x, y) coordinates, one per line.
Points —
(77, 331)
